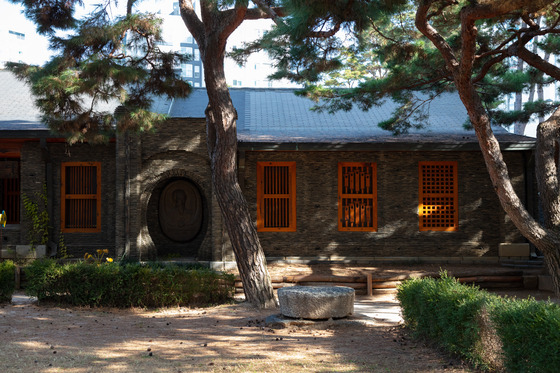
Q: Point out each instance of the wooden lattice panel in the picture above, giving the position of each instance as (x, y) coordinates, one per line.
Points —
(81, 197)
(357, 196)
(438, 196)
(276, 196)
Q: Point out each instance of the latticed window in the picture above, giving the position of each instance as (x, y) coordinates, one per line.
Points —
(438, 209)
(357, 196)
(9, 189)
(81, 197)
(276, 196)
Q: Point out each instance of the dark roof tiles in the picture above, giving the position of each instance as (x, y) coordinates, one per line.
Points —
(278, 116)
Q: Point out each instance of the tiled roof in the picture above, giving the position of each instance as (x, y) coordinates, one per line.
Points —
(279, 116)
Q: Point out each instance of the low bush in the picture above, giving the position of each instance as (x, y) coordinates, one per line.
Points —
(525, 333)
(7, 280)
(530, 334)
(127, 285)
(444, 311)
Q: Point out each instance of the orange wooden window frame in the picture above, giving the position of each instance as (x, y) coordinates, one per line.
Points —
(276, 206)
(443, 189)
(70, 196)
(364, 195)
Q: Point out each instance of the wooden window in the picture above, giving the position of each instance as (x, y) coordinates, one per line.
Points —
(276, 196)
(357, 196)
(9, 189)
(81, 197)
(438, 209)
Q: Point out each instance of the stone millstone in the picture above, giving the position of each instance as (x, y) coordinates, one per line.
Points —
(316, 303)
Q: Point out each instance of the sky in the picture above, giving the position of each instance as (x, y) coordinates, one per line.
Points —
(34, 48)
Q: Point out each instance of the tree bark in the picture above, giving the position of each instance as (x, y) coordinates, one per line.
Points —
(211, 35)
(222, 146)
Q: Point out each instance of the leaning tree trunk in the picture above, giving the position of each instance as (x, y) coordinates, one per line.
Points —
(221, 119)
(546, 239)
(548, 180)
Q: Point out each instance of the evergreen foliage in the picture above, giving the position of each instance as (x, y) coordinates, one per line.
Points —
(106, 74)
(412, 71)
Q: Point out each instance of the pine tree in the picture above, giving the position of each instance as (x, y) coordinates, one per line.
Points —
(427, 47)
(119, 60)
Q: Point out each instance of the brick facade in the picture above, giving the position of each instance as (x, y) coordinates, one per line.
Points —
(482, 223)
(151, 161)
(41, 166)
(136, 168)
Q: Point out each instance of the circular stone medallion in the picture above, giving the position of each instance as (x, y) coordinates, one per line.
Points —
(180, 211)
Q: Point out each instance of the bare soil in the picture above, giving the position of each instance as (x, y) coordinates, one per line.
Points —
(227, 338)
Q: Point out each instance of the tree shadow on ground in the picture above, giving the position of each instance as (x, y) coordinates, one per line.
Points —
(224, 338)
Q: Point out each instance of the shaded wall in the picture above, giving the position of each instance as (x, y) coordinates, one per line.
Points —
(482, 222)
(176, 150)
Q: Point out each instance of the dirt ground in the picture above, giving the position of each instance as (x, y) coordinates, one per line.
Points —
(227, 338)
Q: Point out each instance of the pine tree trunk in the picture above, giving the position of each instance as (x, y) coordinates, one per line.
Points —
(546, 239)
(211, 34)
(221, 119)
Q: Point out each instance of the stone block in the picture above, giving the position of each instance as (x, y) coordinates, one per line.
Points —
(25, 251)
(316, 303)
(530, 282)
(545, 282)
(518, 250)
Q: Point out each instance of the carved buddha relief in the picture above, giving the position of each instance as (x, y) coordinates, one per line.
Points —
(180, 211)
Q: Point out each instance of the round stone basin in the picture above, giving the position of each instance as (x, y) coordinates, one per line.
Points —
(316, 302)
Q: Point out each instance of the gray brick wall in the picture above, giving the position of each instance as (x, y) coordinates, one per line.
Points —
(80, 243)
(32, 178)
(482, 223)
(175, 150)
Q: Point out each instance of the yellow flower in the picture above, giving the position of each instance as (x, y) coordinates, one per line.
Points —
(106, 251)
(99, 251)
(110, 260)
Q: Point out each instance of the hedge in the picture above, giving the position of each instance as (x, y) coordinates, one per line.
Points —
(492, 332)
(7, 280)
(127, 285)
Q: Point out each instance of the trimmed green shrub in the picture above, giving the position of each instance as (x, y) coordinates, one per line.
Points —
(7, 280)
(445, 311)
(530, 334)
(457, 317)
(128, 285)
